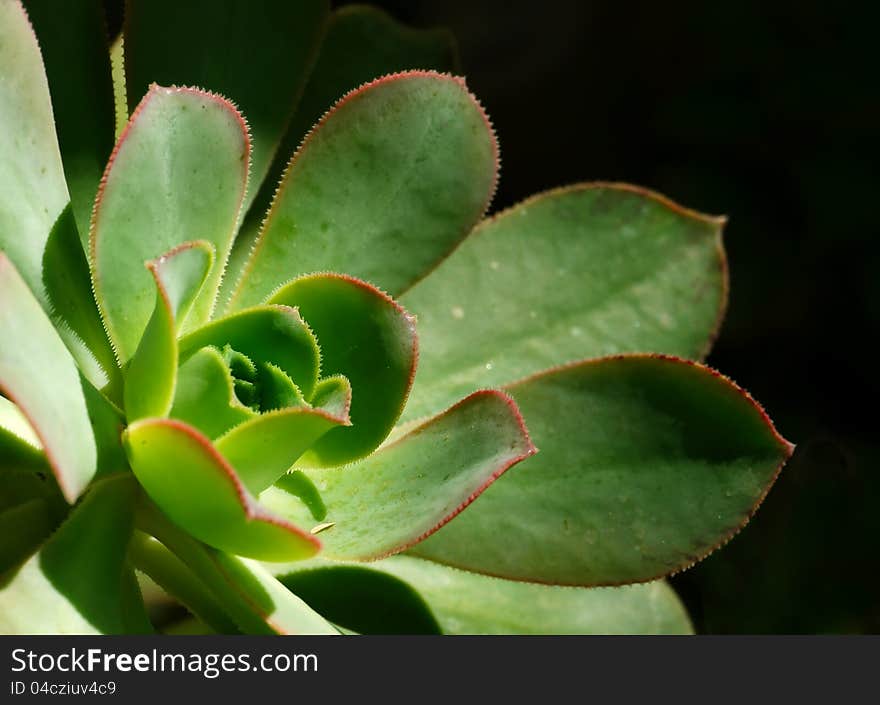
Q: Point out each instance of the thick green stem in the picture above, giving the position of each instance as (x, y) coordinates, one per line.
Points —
(200, 559)
(172, 575)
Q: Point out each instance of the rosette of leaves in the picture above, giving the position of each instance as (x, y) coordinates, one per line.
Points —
(304, 394)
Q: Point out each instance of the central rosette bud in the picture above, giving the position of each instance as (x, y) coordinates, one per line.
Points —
(223, 412)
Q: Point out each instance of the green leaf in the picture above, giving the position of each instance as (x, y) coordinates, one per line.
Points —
(16, 426)
(414, 485)
(200, 492)
(366, 336)
(361, 598)
(23, 528)
(648, 464)
(467, 603)
(152, 374)
(264, 448)
(589, 270)
(68, 286)
(275, 334)
(108, 423)
(380, 46)
(389, 181)
(282, 611)
(257, 53)
(205, 397)
(117, 71)
(73, 39)
(39, 376)
(178, 172)
(75, 583)
(174, 577)
(246, 591)
(32, 187)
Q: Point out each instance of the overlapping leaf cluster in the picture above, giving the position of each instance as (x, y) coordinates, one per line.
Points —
(330, 356)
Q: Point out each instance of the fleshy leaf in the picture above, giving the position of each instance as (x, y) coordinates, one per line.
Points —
(247, 592)
(584, 271)
(361, 598)
(16, 424)
(152, 374)
(467, 603)
(280, 610)
(74, 584)
(192, 483)
(32, 188)
(153, 559)
(178, 172)
(277, 390)
(257, 53)
(648, 464)
(73, 39)
(204, 396)
(38, 374)
(275, 334)
(414, 485)
(23, 528)
(366, 336)
(264, 448)
(117, 72)
(68, 286)
(108, 423)
(361, 43)
(389, 181)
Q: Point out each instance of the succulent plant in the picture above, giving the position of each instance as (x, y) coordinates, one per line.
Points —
(280, 402)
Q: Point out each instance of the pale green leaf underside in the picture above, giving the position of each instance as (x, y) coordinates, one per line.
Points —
(404, 491)
(386, 184)
(32, 187)
(178, 173)
(646, 465)
(580, 272)
(39, 375)
(467, 603)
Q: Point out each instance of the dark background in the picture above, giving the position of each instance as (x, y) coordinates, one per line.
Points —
(768, 112)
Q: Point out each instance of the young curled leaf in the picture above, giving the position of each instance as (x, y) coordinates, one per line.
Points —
(200, 492)
(275, 334)
(205, 394)
(370, 339)
(152, 374)
(263, 448)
